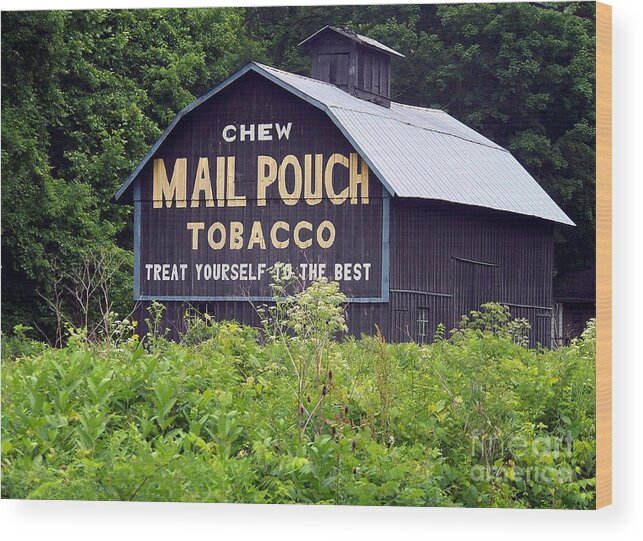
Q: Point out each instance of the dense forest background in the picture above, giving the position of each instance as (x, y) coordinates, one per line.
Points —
(86, 93)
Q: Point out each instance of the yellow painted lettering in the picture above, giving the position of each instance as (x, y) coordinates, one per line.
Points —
(358, 179)
(202, 184)
(273, 235)
(326, 225)
(303, 244)
(236, 235)
(217, 244)
(233, 200)
(169, 191)
(313, 189)
(195, 227)
(290, 198)
(336, 198)
(256, 236)
(266, 175)
(221, 181)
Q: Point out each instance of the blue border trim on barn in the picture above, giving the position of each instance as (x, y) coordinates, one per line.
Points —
(386, 261)
(137, 240)
(351, 300)
(386, 257)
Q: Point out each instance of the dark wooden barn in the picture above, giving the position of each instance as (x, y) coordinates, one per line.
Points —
(418, 217)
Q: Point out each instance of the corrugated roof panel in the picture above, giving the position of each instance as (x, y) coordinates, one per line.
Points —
(415, 152)
(439, 121)
(426, 164)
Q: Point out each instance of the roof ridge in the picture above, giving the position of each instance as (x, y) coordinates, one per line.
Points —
(493, 147)
(433, 110)
(361, 39)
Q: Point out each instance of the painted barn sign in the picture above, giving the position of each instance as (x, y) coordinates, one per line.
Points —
(237, 189)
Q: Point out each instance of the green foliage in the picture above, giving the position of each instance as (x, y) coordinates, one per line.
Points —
(155, 331)
(84, 95)
(473, 420)
(304, 324)
(19, 344)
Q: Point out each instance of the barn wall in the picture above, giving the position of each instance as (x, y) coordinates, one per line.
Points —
(447, 260)
(162, 235)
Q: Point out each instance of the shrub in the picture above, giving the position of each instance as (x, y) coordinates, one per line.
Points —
(19, 344)
(475, 420)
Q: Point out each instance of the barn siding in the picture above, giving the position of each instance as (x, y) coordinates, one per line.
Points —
(445, 259)
(454, 258)
(253, 99)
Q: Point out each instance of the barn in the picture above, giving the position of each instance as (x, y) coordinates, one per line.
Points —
(417, 216)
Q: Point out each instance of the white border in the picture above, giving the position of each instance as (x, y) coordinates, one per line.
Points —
(98, 521)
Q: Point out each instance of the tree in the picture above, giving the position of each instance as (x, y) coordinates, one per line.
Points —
(84, 95)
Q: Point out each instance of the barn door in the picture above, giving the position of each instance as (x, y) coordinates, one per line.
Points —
(401, 322)
(474, 284)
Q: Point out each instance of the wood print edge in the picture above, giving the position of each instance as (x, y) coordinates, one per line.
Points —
(603, 255)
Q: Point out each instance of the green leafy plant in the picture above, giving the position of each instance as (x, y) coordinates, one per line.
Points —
(305, 321)
(473, 420)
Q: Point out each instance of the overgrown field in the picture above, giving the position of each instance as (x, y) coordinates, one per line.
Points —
(475, 419)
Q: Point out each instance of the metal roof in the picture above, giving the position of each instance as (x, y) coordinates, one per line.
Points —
(415, 152)
(357, 38)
